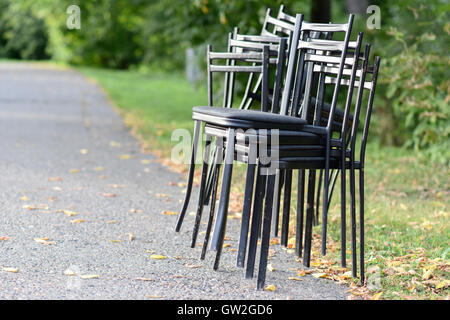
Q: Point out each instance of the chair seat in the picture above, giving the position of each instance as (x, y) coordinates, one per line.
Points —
(306, 163)
(289, 150)
(289, 137)
(246, 119)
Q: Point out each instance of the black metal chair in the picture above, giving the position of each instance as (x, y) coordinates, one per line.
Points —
(336, 163)
(268, 53)
(213, 118)
(232, 119)
(280, 29)
(307, 161)
(306, 142)
(338, 152)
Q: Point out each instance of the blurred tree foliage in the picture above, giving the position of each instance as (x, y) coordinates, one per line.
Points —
(23, 34)
(412, 97)
(414, 88)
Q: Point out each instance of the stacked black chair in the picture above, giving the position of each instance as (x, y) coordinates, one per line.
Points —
(278, 29)
(302, 122)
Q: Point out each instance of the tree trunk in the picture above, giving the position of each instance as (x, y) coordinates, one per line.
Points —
(321, 11)
(357, 6)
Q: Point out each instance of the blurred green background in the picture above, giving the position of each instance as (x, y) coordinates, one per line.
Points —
(412, 104)
(136, 51)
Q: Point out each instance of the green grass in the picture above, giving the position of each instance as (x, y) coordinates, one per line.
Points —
(407, 199)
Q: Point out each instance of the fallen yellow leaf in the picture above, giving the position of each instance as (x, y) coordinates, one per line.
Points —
(29, 207)
(169, 213)
(24, 198)
(89, 276)
(43, 240)
(69, 272)
(74, 171)
(158, 257)
(270, 287)
(14, 270)
(301, 273)
(162, 195)
(109, 195)
(77, 221)
(143, 279)
(443, 284)
(84, 151)
(295, 278)
(427, 274)
(377, 296)
(125, 156)
(274, 241)
(319, 275)
(114, 144)
(69, 213)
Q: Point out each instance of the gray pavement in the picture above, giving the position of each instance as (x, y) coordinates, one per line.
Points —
(62, 147)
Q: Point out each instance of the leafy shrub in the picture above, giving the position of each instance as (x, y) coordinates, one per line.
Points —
(418, 90)
(414, 91)
(23, 35)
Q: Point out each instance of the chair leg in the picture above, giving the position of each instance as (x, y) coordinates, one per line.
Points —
(309, 218)
(361, 226)
(353, 219)
(202, 191)
(212, 207)
(286, 208)
(209, 182)
(248, 195)
(343, 216)
(325, 200)
(316, 216)
(190, 177)
(276, 201)
(333, 183)
(265, 241)
(300, 212)
(224, 192)
(220, 246)
(256, 221)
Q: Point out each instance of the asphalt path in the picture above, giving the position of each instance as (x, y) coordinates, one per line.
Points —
(81, 206)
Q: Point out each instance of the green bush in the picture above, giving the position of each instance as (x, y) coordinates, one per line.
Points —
(414, 89)
(110, 34)
(418, 90)
(23, 35)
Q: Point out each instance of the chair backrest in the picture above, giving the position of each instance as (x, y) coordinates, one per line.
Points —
(363, 85)
(246, 56)
(309, 53)
(370, 86)
(279, 26)
(282, 25)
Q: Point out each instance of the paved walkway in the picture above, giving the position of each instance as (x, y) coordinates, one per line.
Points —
(75, 197)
